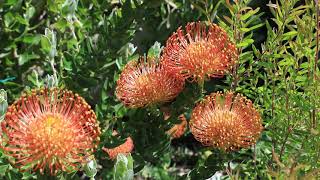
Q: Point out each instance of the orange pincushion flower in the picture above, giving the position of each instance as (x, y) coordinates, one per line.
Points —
(226, 121)
(178, 129)
(145, 83)
(199, 52)
(50, 129)
(124, 148)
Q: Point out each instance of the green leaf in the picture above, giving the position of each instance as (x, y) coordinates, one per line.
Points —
(30, 12)
(20, 19)
(31, 39)
(256, 26)
(301, 78)
(256, 51)
(90, 168)
(61, 25)
(29, 175)
(305, 65)
(49, 43)
(2, 55)
(171, 3)
(268, 65)
(245, 43)
(48, 47)
(11, 2)
(45, 44)
(123, 168)
(69, 8)
(249, 14)
(26, 57)
(289, 35)
(228, 19)
(67, 65)
(51, 81)
(3, 103)
(286, 62)
(8, 19)
(155, 50)
(203, 11)
(106, 66)
(3, 169)
(244, 30)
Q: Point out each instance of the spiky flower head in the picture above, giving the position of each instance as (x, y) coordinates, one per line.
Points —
(199, 52)
(146, 82)
(178, 129)
(226, 121)
(124, 148)
(49, 130)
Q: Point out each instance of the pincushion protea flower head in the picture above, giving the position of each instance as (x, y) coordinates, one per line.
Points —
(145, 82)
(124, 148)
(226, 121)
(49, 130)
(199, 52)
(178, 129)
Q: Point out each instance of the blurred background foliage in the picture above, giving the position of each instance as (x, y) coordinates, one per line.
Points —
(84, 44)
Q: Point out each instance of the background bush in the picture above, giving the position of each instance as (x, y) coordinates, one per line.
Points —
(86, 43)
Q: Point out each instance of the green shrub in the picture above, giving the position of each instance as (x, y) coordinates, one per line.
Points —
(84, 45)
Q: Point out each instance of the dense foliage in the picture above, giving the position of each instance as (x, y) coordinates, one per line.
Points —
(83, 46)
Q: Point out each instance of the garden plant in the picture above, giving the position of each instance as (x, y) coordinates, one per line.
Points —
(159, 89)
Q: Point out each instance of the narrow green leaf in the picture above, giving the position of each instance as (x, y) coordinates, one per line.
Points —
(229, 20)
(256, 26)
(245, 43)
(244, 30)
(286, 62)
(249, 14)
(289, 34)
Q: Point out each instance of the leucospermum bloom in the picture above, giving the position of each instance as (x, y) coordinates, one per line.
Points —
(226, 121)
(144, 83)
(49, 130)
(199, 52)
(178, 129)
(124, 148)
